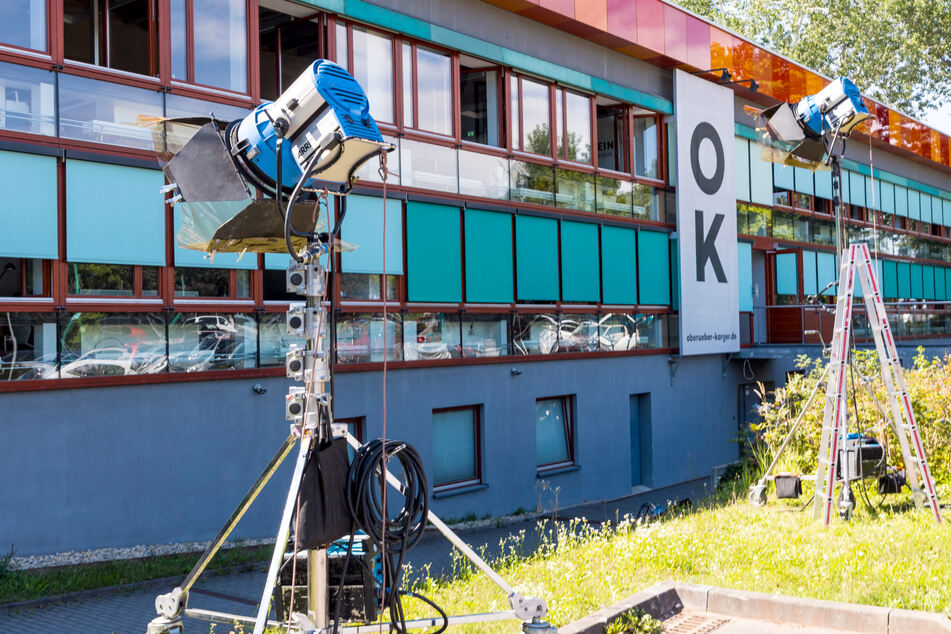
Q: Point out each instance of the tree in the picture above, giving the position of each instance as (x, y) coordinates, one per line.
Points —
(896, 51)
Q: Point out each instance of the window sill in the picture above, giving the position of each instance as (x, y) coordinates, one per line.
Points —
(460, 490)
(553, 471)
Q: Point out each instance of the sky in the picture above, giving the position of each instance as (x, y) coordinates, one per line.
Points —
(940, 119)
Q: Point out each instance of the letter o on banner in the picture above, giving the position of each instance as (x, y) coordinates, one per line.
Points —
(711, 185)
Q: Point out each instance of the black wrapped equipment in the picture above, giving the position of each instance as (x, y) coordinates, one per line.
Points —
(324, 514)
(788, 486)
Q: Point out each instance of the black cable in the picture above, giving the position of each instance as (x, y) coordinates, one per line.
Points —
(393, 534)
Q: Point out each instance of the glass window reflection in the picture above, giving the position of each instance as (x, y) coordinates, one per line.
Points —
(574, 190)
(28, 346)
(646, 202)
(112, 344)
(614, 196)
(104, 112)
(373, 69)
(431, 336)
(484, 335)
(577, 143)
(275, 342)
(535, 117)
(29, 99)
(100, 279)
(428, 166)
(535, 334)
(199, 342)
(645, 147)
(532, 183)
(434, 91)
(23, 23)
(220, 43)
(483, 175)
(578, 333)
(365, 338)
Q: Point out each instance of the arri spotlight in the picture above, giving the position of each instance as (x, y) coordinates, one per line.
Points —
(231, 177)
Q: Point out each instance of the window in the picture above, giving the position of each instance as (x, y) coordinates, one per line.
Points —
(479, 102)
(432, 71)
(646, 146)
(612, 135)
(207, 282)
(112, 344)
(28, 99)
(211, 341)
(431, 336)
(356, 286)
(23, 23)
(485, 335)
(28, 346)
(210, 44)
(530, 116)
(110, 279)
(105, 112)
(554, 434)
(456, 459)
(287, 48)
(365, 337)
(120, 34)
(573, 126)
(23, 278)
(371, 66)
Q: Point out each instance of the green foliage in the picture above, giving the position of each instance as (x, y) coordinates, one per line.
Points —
(17, 585)
(634, 622)
(929, 386)
(896, 51)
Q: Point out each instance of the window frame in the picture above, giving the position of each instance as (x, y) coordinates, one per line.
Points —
(232, 295)
(395, 67)
(567, 408)
(155, 42)
(137, 292)
(477, 438)
(52, 18)
(503, 147)
(561, 95)
(455, 113)
(315, 18)
(251, 50)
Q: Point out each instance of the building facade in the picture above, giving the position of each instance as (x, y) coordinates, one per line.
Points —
(519, 281)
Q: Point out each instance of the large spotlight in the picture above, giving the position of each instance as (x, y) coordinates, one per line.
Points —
(809, 128)
(231, 177)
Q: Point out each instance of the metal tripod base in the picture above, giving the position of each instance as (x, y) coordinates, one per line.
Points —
(163, 625)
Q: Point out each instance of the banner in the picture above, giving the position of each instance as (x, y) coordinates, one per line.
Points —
(706, 216)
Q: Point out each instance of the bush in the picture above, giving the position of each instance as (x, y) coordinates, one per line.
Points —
(929, 387)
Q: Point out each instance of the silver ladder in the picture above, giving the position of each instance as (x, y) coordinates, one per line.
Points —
(858, 262)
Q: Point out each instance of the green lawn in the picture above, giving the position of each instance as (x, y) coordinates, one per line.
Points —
(900, 558)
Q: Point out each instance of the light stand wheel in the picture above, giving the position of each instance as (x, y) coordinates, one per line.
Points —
(757, 495)
(846, 502)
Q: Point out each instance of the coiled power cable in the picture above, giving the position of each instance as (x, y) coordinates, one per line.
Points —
(393, 531)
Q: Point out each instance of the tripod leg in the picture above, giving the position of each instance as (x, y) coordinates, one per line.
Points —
(282, 534)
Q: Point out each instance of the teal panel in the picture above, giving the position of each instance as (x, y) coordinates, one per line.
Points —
(671, 154)
(545, 69)
(363, 228)
(580, 279)
(914, 205)
(804, 181)
(824, 185)
(947, 283)
(467, 43)
(787, 273)
(873, 193)
(675, 274)
(192, 258)
(336, 6)
(489, 258)
(903, 272)
(276, 261)
(761, 177)
(857, 189)
(114, 214)
(744, 275)
(618, 265)
(917, 287)
(940, 283)
(536, 258)
(928, 281)
(926, 208)
(744, 131)
(946, 205)
(901, 201)
(374, 14)
(30, 227)
(889, 278)
(888, 198)
(653, 267)
(846, 188)
(636, 97)
(433, 253)
(825, 272)
(783, 177)
(809, 279)
(742, 158)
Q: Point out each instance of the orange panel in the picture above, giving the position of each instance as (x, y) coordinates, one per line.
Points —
(881, 117)
(763, 70)
(650, 25)
(675, 33)
(781, 70)
(945, 149)
(593, 13)
(797, 83)
(814, 83)
(894, 128)
(622, 19)
(564, 7)
(698, 43)
(721, 50)
(935, 145)
(742, 59)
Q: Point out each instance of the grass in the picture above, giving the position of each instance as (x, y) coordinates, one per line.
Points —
(17, 585)
(895, 559)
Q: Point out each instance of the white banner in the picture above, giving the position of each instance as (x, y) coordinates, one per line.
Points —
(706, 216)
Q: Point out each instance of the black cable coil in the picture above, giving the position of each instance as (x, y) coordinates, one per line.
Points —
(403, 529)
